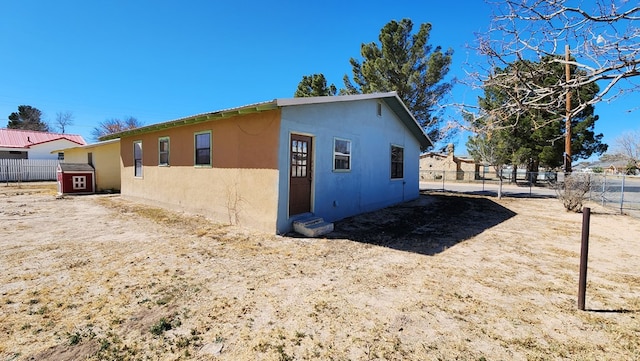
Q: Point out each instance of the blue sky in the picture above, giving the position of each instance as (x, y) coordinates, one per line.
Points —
(161, 60)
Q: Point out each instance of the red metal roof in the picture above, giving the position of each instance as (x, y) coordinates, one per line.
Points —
(17, 138)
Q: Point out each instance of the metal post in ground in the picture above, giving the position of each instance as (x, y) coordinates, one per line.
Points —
(500, 185)
(604, 187)
(584, 255)
(622, 195)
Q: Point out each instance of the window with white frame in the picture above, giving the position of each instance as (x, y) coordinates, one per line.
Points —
(202, 144)
(137, 159)
(163, 151)
(341, 154)
(397, 162)
(79, 181)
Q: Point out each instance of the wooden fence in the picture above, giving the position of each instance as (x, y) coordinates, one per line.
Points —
(25, 170)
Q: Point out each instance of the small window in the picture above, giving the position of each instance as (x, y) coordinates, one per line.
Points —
(79, 181)
(379, 109)
(137, 159)
(60, 155)
(163, 151)
(299, 158)
(203, 149)
(397, 162)
(341, 154)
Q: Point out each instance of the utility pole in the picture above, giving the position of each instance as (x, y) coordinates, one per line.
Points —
(567, 133)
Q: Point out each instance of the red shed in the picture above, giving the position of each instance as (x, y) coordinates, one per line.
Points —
(76, 178)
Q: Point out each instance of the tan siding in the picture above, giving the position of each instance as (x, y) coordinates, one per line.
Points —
(248, 141)
(242, 185)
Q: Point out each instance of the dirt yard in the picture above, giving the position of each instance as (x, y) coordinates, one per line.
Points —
(446, 277)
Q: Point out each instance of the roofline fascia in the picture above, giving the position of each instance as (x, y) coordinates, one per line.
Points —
(194, 119)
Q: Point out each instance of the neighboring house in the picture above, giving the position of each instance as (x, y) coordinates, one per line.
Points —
(104, 157)
(265, 164)
(432, 166)
(29, 144)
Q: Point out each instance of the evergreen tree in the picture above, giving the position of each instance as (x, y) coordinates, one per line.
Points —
(27, 118)
(408, 64)
(314, 85)
(536, 138)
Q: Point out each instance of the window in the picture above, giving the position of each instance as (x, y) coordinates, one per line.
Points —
(341, 154)
(203, 148)
(137, 159)
(163, 151)
(379, 109)
(79, 181)
(397, 162)
(299, 158)
(60, 155)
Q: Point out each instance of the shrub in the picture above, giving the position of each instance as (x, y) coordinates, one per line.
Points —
(572, 191)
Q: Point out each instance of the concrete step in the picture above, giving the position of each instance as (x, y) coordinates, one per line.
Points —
(312, 226)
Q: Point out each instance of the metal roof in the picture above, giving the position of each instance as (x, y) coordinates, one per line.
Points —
(391, 99)
(18, 138)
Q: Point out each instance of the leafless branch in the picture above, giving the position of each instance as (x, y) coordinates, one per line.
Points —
(603, 36)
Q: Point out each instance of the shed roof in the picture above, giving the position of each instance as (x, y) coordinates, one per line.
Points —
(391, 99)
(18, 138)
(76, 167)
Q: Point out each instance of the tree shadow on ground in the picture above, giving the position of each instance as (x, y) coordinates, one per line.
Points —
(428, 225)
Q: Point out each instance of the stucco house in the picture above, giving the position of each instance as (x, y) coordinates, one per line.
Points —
(104, 157)
(432, 166)
(29, 144)
(264, 165)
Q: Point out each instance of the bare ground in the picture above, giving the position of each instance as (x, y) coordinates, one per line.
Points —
(446, 277)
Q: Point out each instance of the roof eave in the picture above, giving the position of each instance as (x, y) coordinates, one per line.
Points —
(194, 119)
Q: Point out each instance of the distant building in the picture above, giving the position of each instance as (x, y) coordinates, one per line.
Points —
(433, 164)
(30, 144)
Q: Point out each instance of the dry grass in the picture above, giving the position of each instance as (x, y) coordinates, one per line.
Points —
(122, 281)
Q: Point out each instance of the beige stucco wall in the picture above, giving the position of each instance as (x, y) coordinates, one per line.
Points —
(247, 197)
(438, 163)
(106, 161)
(241, 185)
(432, 166)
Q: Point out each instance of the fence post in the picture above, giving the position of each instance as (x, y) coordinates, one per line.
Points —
(443, 175)
(584, 256)
(622, 195)
(500, 184)
(604, 187)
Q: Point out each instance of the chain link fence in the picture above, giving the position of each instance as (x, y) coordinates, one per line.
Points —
(621, 192)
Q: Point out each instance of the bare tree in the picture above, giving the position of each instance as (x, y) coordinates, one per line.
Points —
(604, 41)
(63, 120)
(627, 145)
(114, 125)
